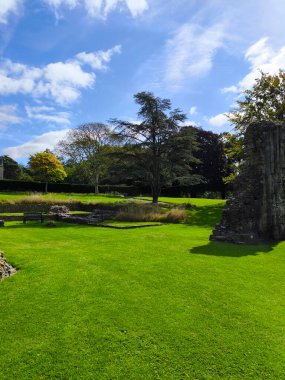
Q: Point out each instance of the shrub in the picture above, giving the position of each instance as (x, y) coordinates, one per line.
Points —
(175, 215)
(150, 213)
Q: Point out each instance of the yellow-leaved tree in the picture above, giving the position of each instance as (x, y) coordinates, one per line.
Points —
(46, 167)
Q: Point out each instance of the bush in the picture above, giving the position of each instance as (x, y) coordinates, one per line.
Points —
(151, 213)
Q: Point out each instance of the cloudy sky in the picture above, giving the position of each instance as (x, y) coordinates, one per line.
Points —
(67, 62)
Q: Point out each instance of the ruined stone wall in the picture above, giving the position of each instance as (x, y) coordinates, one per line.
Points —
(257, 210)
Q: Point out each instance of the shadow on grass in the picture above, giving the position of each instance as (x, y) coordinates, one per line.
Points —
(206, 216)
(214, 248)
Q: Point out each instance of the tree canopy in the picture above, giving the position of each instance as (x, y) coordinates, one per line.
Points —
(155, 137)
(85, 148)
(265, 101)
(46, 167)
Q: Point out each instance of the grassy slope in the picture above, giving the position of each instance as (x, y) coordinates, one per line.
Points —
(199, 202)
(17, 196)
(154, 303)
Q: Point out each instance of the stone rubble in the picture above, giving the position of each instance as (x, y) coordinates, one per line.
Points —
(6, 270)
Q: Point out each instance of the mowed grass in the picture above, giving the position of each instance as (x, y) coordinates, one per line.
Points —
(199, 202)
(105, 198)
(86, 198)
(150, 303)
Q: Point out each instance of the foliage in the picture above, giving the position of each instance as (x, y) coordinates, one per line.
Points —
(155, 139)
(265, 101)
(151, 213)
(46, 167)
(211, 164)
(85, 151)
(233, 148)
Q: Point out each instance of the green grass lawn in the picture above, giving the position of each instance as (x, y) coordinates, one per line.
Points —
(87, 198)
(105, 198)
(199, 202)
(149, 303)
(116, 223)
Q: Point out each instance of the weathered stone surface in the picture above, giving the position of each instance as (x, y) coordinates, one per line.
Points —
(6, 270)
(257, 211)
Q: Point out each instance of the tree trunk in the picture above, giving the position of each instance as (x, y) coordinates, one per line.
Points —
(96, 184)
(155, 190)
(156, 187)
(46, 187)
(154, 198)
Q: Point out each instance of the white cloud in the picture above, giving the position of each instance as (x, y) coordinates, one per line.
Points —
(8, 7)
(137, 7)
(261, 56)
(99, 59)
(191, 51)
(60, 81)
(219, 120)
(37, 144)
(58, 3)
(233, 89)
(63, 81)
(101, 8)
(8, 115)
(193, 110)
(48, 114)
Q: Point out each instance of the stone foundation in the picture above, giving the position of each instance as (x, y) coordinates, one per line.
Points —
(257, 211)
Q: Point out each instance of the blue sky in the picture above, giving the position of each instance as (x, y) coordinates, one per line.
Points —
(67, 62)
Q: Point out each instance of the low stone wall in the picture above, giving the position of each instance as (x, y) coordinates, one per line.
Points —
(45, 206)
(6, 270)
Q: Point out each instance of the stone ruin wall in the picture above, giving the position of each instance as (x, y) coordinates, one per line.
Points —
(256, 212)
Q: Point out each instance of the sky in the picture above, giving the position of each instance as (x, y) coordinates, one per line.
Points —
(68, 62)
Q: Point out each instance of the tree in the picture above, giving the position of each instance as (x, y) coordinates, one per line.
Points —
(233, 149)
(211, 163)
(265, 101)
(155, 139)
(86, 150)
(46, 167)
(11, 167)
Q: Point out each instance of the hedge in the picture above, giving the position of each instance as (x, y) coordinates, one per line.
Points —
(173, 191)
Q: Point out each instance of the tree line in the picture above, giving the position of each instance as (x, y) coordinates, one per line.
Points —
(158, 150)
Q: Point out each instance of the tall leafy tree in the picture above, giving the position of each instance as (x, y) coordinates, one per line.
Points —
(264, 101)
(46, 167)
(211, 163)
(233, 149)
(154, 139)
(85, 148)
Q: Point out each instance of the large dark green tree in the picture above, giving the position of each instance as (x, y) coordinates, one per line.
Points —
(211, 163)
(158, 148)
